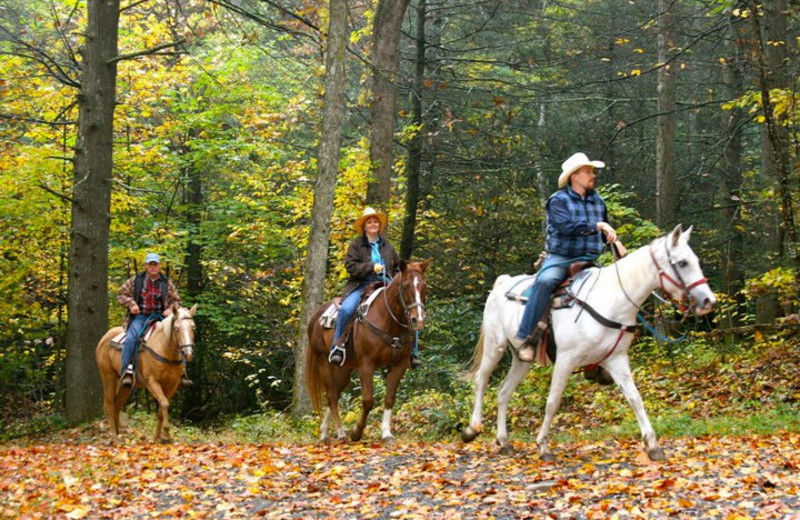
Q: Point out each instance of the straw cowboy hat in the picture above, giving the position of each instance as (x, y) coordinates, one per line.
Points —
(368, 213)
(574, 163)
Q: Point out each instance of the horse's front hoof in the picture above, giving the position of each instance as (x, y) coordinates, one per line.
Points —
(656, 453)
(389, 441)
(469, 434)
(355, 435)
(165, 441)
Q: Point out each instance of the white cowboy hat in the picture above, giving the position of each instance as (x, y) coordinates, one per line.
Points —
(368, 213)
(574, 163)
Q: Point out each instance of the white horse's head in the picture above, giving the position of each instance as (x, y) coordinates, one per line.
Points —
(680, 275)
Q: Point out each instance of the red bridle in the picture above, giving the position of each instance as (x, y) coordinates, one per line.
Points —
(679, 283)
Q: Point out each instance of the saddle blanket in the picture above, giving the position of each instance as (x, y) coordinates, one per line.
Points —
(118, 341)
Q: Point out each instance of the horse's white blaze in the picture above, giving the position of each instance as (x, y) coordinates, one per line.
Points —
(616, 292)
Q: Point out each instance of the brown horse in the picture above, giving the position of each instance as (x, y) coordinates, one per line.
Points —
(381, 339)
(159, 368)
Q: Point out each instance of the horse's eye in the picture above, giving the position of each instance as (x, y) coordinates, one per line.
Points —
(682, 264)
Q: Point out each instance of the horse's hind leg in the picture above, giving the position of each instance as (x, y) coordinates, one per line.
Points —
(492, 354)
(561, 373)
(620, 370)
(110, 408)
(510, 383)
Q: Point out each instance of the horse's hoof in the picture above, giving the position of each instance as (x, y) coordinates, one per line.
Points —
(548, 457)
(390, 440)
(165, 441)
(506, 449)
(355, 435)
(656, 453)
(469, 434)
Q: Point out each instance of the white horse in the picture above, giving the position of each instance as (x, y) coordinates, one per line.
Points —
(614, 294)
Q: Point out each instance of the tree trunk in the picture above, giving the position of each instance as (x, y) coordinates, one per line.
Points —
(666, 189)
(385, 55)
(771, 61)
(328, 164)
(87, 305)
(732, 173)
(416, 144)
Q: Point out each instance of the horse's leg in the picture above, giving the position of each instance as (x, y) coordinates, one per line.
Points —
(109, 406)
(365, 373)
(336, 382)
(492, 354)
(392, 382)
(120, 398)
(324, 425)
(162, 423)
(510, 383)
(620, 370)
(561, 372)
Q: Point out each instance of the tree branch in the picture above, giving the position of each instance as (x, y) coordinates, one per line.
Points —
(151, 50)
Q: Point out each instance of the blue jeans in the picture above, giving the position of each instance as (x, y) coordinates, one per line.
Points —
(135, 328)
(347, 310)
(554, 270)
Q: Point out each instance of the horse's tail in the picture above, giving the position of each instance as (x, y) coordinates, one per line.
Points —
(475, 362)
(313, 379)
(314, 375)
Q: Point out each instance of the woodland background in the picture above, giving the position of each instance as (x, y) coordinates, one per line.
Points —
(227, 117)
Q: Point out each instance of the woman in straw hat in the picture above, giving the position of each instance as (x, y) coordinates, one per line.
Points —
(577, 229)
(370, 258)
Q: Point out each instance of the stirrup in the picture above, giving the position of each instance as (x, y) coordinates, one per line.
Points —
(127, 376)
(415, 362)
(337, 356)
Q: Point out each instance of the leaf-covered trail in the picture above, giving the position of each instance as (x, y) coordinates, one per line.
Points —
(728, 478)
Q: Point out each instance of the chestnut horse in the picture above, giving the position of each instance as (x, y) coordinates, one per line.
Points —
(159, 368)
(383, 338)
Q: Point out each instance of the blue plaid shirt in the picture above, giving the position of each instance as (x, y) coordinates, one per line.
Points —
(572, 223)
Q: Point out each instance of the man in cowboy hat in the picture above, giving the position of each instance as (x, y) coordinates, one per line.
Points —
(149, 294)
(577, 229)
(369, 257)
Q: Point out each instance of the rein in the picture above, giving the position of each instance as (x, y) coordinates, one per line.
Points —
(171, 343)
(679, 283)
(402, 339)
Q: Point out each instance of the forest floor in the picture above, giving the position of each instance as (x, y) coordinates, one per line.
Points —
(743, 461)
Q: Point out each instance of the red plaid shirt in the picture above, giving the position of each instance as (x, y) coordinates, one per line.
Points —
(151, 299)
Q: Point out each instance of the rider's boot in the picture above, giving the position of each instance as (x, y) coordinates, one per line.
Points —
(527, 350)
(127, 376)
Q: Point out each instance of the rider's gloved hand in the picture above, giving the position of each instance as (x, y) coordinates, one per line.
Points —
(378, 267)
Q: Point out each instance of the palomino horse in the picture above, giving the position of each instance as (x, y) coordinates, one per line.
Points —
(159, 368)
(596, 330)
(381, 339)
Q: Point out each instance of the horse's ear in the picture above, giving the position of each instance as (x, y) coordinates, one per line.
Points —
(424, 265)
(403, 266)
(688, 233)
(175, 308)
(675, 235)
(193, 310)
